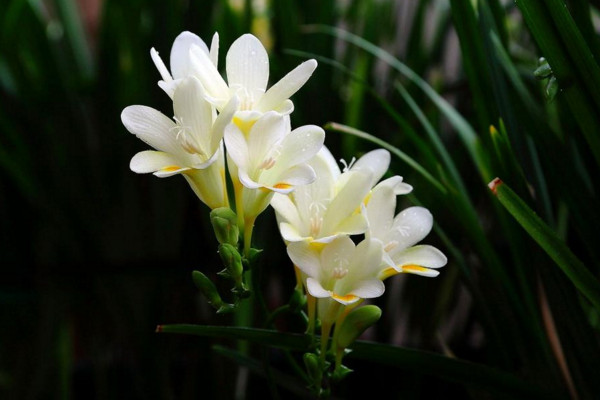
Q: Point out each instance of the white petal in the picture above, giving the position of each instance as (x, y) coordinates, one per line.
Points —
(152, 161)
(305, 258)
(347, 201)
(180, 53)
(237, 148)
(289, 233)
(338, 253)
(287, 86)
(209, 183)
(224, 119)
(152, 127)
(300, 145)
(315, 289)
(248, 65)
(160, 65)
(380, 211)
(369, 289)
(376, 162)
(285, 183)
(395, 182)
(169, 87)
(214, 50)
(410, 227)
(195, 116)
(264, 135)
(423, 256)
(353, 225)
(207, 73)
(286, 210)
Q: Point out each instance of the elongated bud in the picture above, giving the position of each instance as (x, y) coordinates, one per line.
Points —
(355, 323)
(208, 289)
(313, 367)
(224, 222)
(232, 260)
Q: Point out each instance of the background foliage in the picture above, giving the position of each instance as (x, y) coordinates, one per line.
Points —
(93, 257)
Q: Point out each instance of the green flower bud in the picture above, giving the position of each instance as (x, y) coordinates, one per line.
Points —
(232, 260)
(207, 288)
(313, 367)
(224, 222)
(355, 323)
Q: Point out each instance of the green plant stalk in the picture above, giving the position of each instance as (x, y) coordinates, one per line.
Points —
(579, 275)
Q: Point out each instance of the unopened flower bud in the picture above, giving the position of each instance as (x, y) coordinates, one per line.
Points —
(232, 260)
(355, 323)
(224, 222)
(207, 288)
(313, 368)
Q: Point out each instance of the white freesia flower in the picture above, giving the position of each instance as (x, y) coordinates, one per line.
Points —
(267, 157)
(341, 270)
(189, 145)
(180, 60)
(326, 208)
(331, 206)
(399, 236)
(247, 65)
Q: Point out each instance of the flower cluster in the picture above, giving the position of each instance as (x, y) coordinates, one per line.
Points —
(239, 118)
(339, 226)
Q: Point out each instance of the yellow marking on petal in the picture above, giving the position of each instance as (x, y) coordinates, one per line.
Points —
(345, 298)
(244, 125)
(368, 197)
(414, 268)
(386, 273)
(170, 168)
(317, 245)
(282, 186)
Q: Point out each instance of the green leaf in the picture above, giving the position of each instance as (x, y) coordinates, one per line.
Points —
(581, 277)
(426, 363)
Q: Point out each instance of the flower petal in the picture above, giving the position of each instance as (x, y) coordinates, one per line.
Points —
(248, 65)
(300, 145)
(305, 258)
(369, 289)
(395, 182)
(376, 162)
(204, 69)
(214, 50)
(410, 227)
(237, 148)
(315, 289)
(422, 255)
(180, 53)
(224, 119)
(151, 126)
(286, 210)
(287, 86)
(152, 161)
(380, 211)
(194, 114)
(346, 202)
(160, 65)
(288, 232)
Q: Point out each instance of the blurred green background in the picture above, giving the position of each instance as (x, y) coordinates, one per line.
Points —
(93, 256)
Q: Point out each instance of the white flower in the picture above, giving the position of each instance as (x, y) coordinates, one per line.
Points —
(330, 206)
(189, 145)
(400, 234)
(266, 158)
(341, 270)
(247, 65)
(180, 59)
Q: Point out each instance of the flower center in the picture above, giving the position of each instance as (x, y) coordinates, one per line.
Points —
(390, 245)
(339, 272)
(185, 138)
